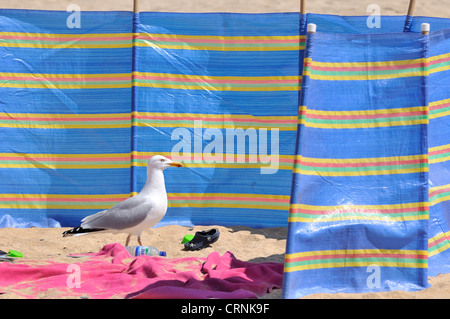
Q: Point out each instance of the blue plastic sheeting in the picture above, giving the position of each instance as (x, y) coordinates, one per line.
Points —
(359, 218)
(210, 73)
(113, 120)
(54, 105)
(438, 151)
(359, 172)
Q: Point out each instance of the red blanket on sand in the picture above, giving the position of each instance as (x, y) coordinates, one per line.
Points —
(143, 277)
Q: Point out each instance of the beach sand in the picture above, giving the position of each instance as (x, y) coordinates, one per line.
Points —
(247, 244)
(435, 8)
(47, 244)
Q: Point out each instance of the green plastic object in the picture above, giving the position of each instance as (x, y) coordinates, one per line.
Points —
(14, 253)
(187, 238)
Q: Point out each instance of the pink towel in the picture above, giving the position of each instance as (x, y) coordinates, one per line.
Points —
(143, 277)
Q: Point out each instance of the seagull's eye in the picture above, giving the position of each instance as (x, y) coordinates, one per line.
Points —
(162, 160)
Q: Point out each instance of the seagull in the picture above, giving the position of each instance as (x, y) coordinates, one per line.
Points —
(136, 213)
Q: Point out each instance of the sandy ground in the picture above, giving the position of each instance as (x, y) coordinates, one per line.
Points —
(436, 8)
(247, 244)
(256, 245)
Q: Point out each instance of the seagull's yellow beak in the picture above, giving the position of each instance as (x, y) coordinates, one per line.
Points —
(176, 164)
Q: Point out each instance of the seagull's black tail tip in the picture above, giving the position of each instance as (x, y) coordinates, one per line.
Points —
(80, 231)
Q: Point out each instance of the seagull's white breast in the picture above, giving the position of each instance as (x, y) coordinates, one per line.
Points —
(157, 212)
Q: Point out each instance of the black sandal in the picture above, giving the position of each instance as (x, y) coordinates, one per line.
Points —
(202, 239)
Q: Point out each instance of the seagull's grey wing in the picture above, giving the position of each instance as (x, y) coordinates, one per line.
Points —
(123, 215)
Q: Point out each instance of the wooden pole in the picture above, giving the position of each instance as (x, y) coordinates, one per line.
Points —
(412, 4)
(136, 6)
(409, 16)
(425, 28)
(302, 6)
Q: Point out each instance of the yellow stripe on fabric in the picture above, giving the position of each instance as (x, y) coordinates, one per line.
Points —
(361, 173)
(223, 38)
(228, 205)
(363, 125)
(50, 85)
(38, 76)
(436, 197)
(356, 252)
(439, 236)
(361, 160)
(432, 249)
(194, 155)
(436, 112)
(63, 115)
(188, 46)
(66, 81)
(426, 64)
(65, 121)
(366, 207)
(66, 45)
(200, 200)
(284, 198)
(438, 115)
(197, 160)
(70, 43)
(439, 57)
(440, 249)
(365, 77)
(65, 166)
(356, 264)
(66, 35)
(357, 217)
(70, 196)
(225, 195)
(440, 200)
(431, 104)
(364, 64)
(86, 205)
(439, 69)
(31, 155)
(208, 86)
(409, 255)
(202, 161)
(364, 112)
(386, 117)
(216, 116)
(206, 77)
(206, 125)
(66, 126)
(438, 148)
(433, 189)
(97, 205)
(235, 165)
(439, 158)
(376, 63)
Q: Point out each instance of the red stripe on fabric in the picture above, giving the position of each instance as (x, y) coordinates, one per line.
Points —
(363, 164)
(210, 80)
(362, 255)
(219, 41)
(364, 116)
(436, 242)
(359, 210)
(28, 199)
(63, 159)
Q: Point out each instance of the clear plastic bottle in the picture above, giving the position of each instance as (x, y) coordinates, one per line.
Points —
(144, 250)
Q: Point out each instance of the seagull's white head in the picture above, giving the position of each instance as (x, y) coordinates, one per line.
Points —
(161, 162)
